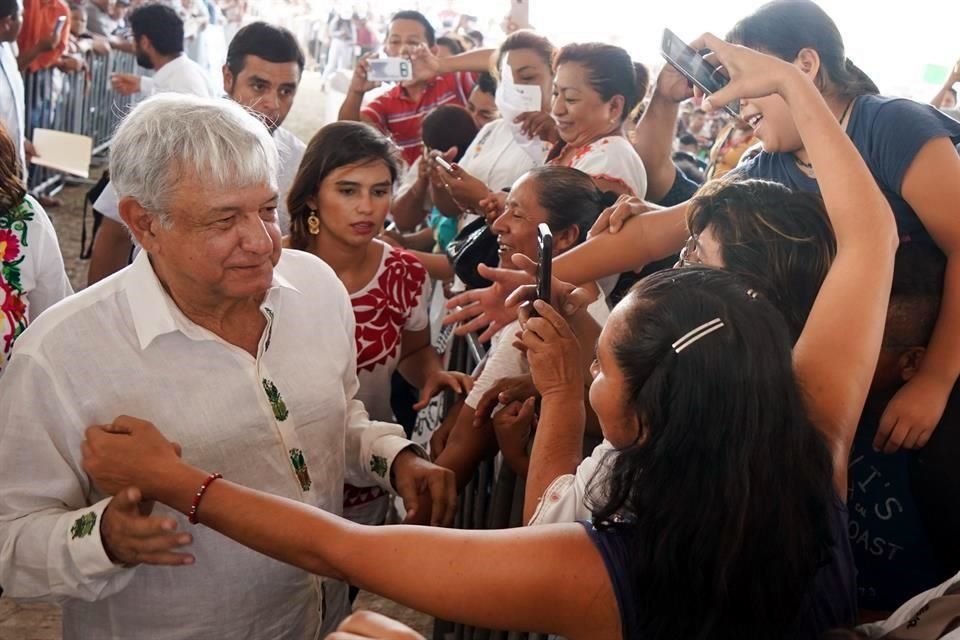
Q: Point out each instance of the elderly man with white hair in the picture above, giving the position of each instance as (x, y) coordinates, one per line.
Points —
(241, 352)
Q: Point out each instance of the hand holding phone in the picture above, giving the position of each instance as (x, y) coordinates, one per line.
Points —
(389, 69)
(688, 61)
(58, 27)
(443, 164)
(544, 264)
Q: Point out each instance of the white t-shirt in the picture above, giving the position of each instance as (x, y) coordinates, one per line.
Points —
(290, 149)
(180, 75)
(613, 159)
(32, 277)
(11, 99)
(496, 159)
(911, 611)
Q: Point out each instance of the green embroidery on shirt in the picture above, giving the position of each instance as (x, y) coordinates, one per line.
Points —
(83, 526)
(269, 313)
(300, 468)
(276, 402)
(378, 464)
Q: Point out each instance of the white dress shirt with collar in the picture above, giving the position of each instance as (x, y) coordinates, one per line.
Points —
(180, 75)
(285, 422)
(11, 99)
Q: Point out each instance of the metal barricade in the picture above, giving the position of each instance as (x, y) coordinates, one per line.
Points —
(81, 102)
(492, 500)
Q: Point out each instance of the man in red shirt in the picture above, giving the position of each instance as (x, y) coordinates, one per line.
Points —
(40, 42)
(400, 111)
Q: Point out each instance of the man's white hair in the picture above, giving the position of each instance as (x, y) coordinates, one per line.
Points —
(171, 136)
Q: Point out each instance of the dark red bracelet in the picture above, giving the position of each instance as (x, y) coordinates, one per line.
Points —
(192, 517)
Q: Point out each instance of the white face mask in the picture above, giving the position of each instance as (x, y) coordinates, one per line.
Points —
(514, 99)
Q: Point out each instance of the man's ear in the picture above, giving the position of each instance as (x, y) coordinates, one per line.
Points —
(228, 80)
(140, 222)
(909, 362)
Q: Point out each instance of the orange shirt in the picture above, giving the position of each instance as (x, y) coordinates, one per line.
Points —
(39, 19)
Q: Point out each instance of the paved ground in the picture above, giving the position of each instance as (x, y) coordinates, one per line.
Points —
(42, 622)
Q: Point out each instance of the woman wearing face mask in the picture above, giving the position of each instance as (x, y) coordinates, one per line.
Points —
(508, 147)
(338, 203)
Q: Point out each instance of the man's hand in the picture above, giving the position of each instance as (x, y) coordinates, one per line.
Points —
(414, 477)
(126, 84)
(568, 298)
(131, 536)
(367, 625)
(358, 82)
(461, 383)
(483, 309)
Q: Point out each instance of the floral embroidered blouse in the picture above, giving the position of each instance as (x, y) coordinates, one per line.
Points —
(32, 276)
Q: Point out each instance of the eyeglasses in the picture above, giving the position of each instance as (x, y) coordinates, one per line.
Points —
(689, 255)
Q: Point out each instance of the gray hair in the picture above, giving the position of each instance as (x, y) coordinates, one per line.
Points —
(172, 135)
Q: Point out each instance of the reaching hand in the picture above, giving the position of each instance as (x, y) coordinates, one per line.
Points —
(462, 186)
(513, 426)
(505, 392)
(563, 295)
(126, 84)
(912, 415)
(131, 536)
(493, 206)
(484, 309)
(426, 65)
(127, 453)
(461, 383)
(367, 625)
(416, 478)
(536, 124)
(613, 218)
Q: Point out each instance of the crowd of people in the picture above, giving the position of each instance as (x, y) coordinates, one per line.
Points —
(733, 414)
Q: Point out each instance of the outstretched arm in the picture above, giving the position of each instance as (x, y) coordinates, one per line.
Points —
(534, 591)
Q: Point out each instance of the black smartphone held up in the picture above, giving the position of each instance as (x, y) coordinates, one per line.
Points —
(544, 263)
(695, 68)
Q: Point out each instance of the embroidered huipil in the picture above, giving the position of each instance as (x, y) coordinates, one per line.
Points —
(285, 422)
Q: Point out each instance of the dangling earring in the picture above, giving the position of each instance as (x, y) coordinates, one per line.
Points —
(313, 223)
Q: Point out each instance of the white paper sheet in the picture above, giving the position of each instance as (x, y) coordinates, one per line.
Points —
(67, 152)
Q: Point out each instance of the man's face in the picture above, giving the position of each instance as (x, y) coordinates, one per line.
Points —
(404, 33)
(10, 26)
(223, 247)
(267, 88)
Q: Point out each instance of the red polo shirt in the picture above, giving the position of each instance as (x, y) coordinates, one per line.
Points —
(39, 19)
(398, 115)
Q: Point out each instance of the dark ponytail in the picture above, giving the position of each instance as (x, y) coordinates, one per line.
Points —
(785, 27)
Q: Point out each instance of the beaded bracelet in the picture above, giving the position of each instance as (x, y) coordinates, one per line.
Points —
(192, 516)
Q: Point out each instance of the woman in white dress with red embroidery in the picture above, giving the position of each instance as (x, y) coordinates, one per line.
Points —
(338, 203)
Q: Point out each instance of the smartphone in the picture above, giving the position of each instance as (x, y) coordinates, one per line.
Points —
(446, 166)
(58, 26)
(389, 69)
(544, 263)
(692, 65)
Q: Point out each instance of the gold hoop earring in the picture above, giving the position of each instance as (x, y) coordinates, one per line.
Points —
(313, 223)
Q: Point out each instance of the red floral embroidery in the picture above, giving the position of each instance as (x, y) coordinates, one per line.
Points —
(9, 246)
(384, 308)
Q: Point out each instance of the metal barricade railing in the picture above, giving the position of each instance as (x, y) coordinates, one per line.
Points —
(81, 102)
(493, 499)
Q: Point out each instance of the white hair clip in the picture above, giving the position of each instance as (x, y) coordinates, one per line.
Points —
(703, 330)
